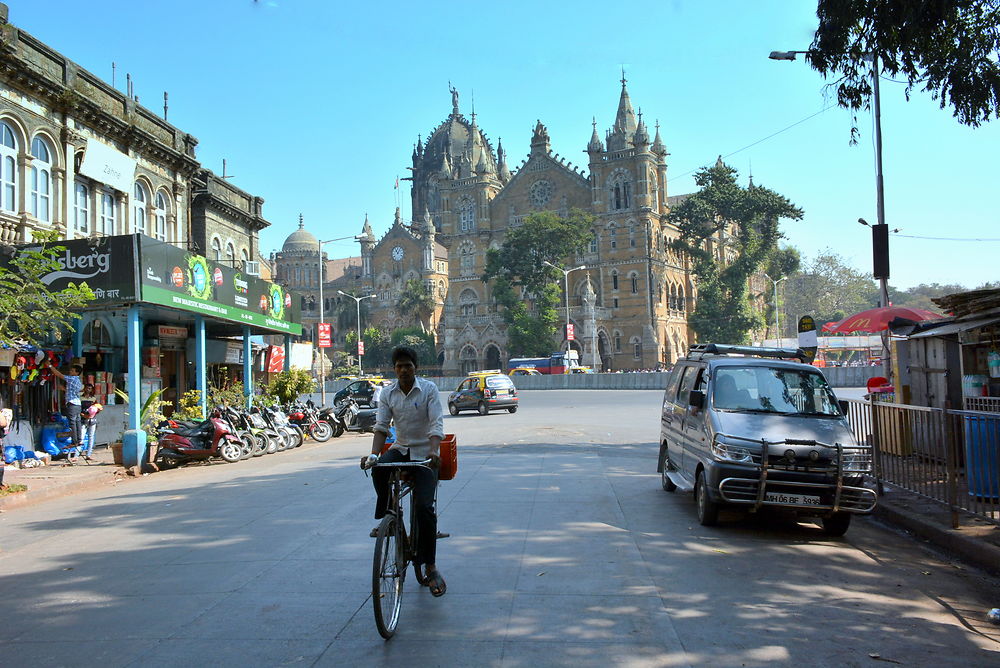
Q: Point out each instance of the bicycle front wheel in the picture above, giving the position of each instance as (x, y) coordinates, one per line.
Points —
(388, 572)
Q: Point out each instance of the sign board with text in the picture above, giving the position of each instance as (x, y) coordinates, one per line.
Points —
(570, 336)
(361, 347)
(323, 334)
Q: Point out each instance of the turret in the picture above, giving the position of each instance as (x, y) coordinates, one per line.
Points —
(504, 172)
(641, 137)
(658, 147)
(540, 140)
(595, 145)
(367, 239)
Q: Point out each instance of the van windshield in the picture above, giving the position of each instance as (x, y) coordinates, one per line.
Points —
(773, 390)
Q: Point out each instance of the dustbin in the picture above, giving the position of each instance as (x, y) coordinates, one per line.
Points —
(982, 456)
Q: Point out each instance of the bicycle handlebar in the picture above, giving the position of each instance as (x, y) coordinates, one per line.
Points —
(402, 464)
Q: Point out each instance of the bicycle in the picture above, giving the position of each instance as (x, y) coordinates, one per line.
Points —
(395, 549)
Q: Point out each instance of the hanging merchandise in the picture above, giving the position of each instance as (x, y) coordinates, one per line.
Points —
(993, 362)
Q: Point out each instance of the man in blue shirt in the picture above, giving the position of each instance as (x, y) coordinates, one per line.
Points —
(412, 404)
(72, 407)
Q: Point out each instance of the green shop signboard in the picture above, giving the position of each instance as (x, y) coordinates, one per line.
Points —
(173, 277)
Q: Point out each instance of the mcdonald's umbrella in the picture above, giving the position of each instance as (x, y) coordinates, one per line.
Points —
(877, 319)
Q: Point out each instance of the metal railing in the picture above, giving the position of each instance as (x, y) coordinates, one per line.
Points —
(949, 456)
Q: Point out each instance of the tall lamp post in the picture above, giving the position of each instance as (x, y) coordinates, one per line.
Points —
(566, 273)
(322, 277)
(777, 323)
(880, 234)
(357, 301)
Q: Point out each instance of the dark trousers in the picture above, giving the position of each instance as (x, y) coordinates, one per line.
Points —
(424, 486)
(72, 413)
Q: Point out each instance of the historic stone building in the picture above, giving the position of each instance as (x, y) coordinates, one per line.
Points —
(83, 158)
(630, 304)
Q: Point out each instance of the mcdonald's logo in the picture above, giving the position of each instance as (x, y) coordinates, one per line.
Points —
(859, 323)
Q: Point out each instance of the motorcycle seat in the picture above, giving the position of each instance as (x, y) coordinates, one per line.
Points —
(196, 430)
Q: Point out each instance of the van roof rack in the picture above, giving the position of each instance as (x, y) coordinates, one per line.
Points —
(703, 349)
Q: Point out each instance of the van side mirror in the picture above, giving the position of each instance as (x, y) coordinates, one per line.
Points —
(697, 399)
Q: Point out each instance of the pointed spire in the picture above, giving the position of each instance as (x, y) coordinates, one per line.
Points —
(503, 171)
(595, 145)
(641, 137)
(625, 119)
(658, 147)
(366, 230)
(427, 224)
(751, 186)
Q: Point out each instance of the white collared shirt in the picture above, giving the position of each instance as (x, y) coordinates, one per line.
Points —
(417, 416)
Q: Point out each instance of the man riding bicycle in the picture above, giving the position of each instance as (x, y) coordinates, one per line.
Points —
(413, 406)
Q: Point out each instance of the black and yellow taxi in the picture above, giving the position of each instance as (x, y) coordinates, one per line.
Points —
(484, 391)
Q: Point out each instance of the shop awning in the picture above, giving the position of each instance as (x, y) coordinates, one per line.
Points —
(956, 327)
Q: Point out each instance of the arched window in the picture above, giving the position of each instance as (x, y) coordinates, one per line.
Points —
(636, 348)
(468, 301)
(245, 256)
(466, 215)
(635, 284)
(216, 249)
(139, 202)
(230, 254)
(619, 191)
(8, 168)
(81, 208)
(160, 216)
(593, 242)
(614, 279)
(109, 212)
(41, 180)
(618, 341)
(613, 235)
(631, 236)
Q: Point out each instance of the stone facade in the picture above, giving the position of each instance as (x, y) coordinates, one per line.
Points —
(53, 113)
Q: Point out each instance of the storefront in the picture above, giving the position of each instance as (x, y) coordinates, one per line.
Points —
(160, 317)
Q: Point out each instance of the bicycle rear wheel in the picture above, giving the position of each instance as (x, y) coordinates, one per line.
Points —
(388, 574)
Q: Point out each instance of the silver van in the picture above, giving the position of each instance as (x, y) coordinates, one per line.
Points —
(754, 428)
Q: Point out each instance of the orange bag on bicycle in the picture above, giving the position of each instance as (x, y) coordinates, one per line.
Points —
(449, 457)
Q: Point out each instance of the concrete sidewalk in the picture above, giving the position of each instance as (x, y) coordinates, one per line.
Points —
(60, 478)
(976, 541)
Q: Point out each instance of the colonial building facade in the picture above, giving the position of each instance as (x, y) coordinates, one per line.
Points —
(80, 157)
(629, 306)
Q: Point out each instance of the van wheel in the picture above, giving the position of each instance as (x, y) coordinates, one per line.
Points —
(837, 524)
(512, 409)
(708, 510)
(665, 482)
(452, 408)
(483, 408)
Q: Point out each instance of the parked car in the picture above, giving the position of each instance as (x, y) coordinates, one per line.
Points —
(484, 391)
(360, 390)
(525, 371)
(581, 369)
(749, 427)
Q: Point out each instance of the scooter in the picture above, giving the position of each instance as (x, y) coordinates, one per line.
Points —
(279, 418)
(348, 416)
(212, 438)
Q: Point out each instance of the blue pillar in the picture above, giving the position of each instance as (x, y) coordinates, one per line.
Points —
(288, 352)
(201, 383)
(77, 337)
(134, 439)
(247, 366)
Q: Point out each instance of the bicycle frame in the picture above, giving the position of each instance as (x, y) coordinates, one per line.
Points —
(393, 536)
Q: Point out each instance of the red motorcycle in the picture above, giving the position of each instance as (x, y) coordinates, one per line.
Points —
(180, 443)
(305, 416)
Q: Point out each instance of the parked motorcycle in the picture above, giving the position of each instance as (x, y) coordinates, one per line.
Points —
(348, 416)
(180, 443)
(307, 418)
(278, 439)
(280, 420)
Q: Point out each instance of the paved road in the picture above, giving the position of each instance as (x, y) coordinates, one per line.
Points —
(564, 551)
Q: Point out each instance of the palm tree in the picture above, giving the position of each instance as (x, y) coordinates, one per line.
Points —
(417, 301)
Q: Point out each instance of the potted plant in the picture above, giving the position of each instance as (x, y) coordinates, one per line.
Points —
(149, 417)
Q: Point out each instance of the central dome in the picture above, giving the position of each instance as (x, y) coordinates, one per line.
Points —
(301, 240)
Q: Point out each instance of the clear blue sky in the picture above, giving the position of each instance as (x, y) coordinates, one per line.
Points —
(316, 105)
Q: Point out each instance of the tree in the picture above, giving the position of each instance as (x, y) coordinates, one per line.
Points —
(828, 289)
(285, 387)
(416, 301)
(949, 48)
(729, 233)
(420, 340)
(528, 290)
(29, 310)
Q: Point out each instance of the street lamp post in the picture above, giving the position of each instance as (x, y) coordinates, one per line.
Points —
(879, 231)
(357, 301)
(566, 273)
(777, 323)
(322, 277)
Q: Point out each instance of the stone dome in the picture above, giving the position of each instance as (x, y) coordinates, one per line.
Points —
(301, 240)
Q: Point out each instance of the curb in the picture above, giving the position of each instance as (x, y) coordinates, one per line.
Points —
(979, 553)
(47, 493)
